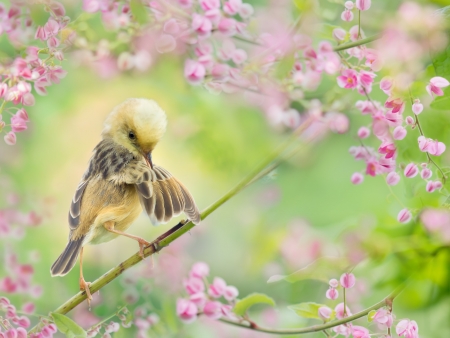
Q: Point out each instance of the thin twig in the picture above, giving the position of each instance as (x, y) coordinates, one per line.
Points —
(357, 43)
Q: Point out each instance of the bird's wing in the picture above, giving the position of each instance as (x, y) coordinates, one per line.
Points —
(163, 197)
(75, 206)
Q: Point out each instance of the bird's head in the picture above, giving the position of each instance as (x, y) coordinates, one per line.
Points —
(136, 124)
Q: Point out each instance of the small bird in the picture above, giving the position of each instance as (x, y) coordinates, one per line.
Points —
(120, 182)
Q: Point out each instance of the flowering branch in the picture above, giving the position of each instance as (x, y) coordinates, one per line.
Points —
(387, 301)
(181, 228)
(357, 43)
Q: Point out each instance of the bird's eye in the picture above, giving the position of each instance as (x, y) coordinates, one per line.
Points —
(131, 135)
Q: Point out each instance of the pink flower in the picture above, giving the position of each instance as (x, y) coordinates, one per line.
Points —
(227, 26)
(348, 280)
(325, 312)
(348, 79)
(392, 178)
(18, 124)
(201, 25)
(357, 178)
(165, 43)
(209, 4)
(397, 105)
(409, 121)
(199, 270)
(41, 34)
(194, 72)
(360, 332)
(220, 72)
(340, 311)
(399, 133)
(239, 56)
(435, 219)
(339, 34)
(363, 5)
(53, 42)
(407, 328)
(349, 5)
(232, 7)
(51, 27)
(433, 186)
(10, 138)
(404, 216)
(371, 168)
(363, 132)
(435, 85)
(386, 85)
(194, 285)
(366, 78)
(186, 310)
(436, 148)
(91, 6)
(383, 317)
(230, 293)
(417, 107)
(217, 288)
(246, 11)
(347, 15)
(411, 170)
(199, 299)
(213, 309)
(332, 293)
(333, 283)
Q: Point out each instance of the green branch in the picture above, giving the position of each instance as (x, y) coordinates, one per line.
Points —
(387, 301)
(264, 167)
(357, 43)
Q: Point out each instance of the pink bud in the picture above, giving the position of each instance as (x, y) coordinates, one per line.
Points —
(338, 122)
(239, 56)
(436, 148)
(411, 170)
(399, 133)
(432, 186)
(333, 283)
(186, 310)
(10, 138)
(409, 121)
(217, 288)
(332, 293)
(246, 11)
(357, 178)
(230, 293)
(348, 280)
(53, 42)
(386, 84)
(349, 5)
(340, 311)
(165, 43)
(426, 173)
(407, 328)
(125, 61)
(339, 34)
(347, 15)
(194, 285)
(363, 132)
(21, 332)
(417, 107)
(392, 178)
(325, 312)
(435, 85)
(404, 216)
(199, 270)
(213, 309)
(227, 26)
(363, 5)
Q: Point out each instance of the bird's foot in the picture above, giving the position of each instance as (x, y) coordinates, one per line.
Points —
(84, 286)
(142, 244)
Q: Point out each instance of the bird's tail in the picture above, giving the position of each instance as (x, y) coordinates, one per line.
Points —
(68, 258)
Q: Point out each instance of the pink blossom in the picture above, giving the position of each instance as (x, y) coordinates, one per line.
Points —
(239, 56)
(363, 5)
(386, 85)
(246, 11)
(232, 7)
(433, 186)
(227, 26)
(339, 34)
(417, 107)
(436, 148)
(348, 280)
(213, 309)
(217, 288)
(194, 72)
(348, 79)
(435, 85)
(230, 293)
(411, 170)
(186, 310)
(171, 27)
(201, 25)
(357, 178)
(340, 311)
(194, 285)
(41, 34)
(18, 124)
(349, 5)
(399, 133)
(199, 270)
(409, 121)
(407, 328)
(363, 132)
(209, 4)
(426, 173)
(220, 72)
(347, 15)
(53, 42)
(388, 149)
(165, 43)
(436, 220)
(404, 216)
(199, 299)
(332, 293)
(397, 105)
(333, 283)
(91, 6)
(383, 317)
(360, 332)
(371, 168)
(392, 178)
(325, 312)
(366, 78)
(10, 138)
(125, 61)
(51, 27)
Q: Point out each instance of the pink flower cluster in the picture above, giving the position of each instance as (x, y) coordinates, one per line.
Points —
(202, 301)
(19, 75)
(144, 321)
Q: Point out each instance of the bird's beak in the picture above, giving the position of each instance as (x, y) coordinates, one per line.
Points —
(148, 158)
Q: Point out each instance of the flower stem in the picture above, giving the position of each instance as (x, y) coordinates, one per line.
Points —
(357, 43)
(106, 319)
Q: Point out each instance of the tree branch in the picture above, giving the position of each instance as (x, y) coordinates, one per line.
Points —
(387, 301)
(357, 43)
(164, 240)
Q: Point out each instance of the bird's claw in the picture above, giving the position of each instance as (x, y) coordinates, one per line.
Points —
(84, 286)
(142, 244)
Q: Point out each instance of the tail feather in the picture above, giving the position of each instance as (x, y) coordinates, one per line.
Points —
(68, 258)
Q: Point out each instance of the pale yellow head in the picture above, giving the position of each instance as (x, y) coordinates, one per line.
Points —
(137, 124)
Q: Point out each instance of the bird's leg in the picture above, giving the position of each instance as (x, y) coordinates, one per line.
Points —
(84, 286)
(109, 225)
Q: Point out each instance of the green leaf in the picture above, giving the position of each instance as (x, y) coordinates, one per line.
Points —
(321, 269)
(308, 310)
(68, 326)
(370, 315)
(244, 304)
(442, 102)
(139, 12)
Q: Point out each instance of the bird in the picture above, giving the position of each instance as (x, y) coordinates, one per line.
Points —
(120, 182)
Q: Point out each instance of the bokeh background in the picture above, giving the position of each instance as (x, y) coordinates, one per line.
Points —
(305, 209)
